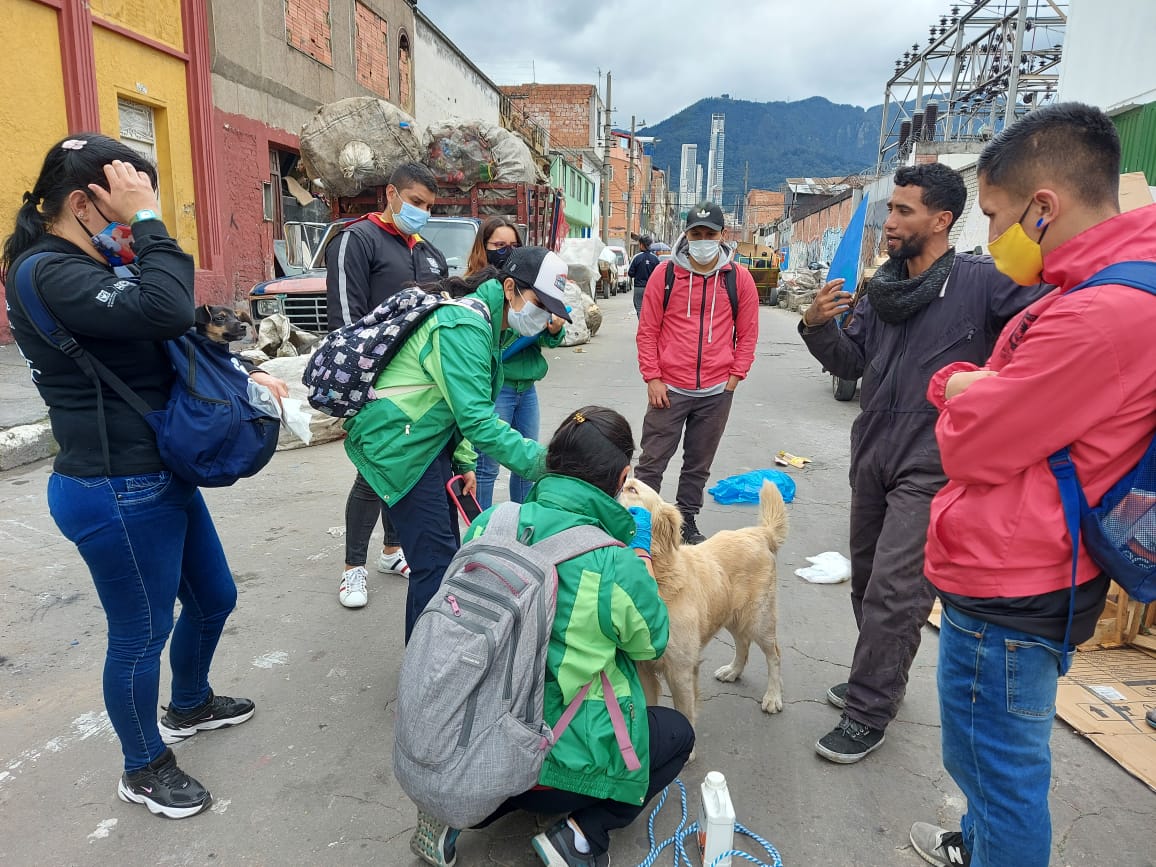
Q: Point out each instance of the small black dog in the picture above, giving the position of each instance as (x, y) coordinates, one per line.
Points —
(221, 324)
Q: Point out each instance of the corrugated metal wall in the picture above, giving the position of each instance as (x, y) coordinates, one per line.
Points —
(1138, 140)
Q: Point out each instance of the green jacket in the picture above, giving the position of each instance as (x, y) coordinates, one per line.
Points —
(528, 366)
(609, 614)
(438, 392)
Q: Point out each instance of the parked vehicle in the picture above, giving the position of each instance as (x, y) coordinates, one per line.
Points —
(300, 294)
(622, 262)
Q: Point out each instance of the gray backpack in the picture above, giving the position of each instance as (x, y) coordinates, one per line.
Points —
(470, 731)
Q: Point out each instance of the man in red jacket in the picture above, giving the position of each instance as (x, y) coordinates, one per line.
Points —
(696, 343)
(1074, 369)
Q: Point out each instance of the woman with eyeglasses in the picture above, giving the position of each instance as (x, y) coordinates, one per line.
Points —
(522, 365)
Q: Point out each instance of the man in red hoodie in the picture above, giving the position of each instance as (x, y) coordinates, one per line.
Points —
(696, 343)
(1074, 369)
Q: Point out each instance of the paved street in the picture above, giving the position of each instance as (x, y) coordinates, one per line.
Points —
(308, 781)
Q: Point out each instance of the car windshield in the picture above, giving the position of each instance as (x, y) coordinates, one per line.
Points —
(620, 257)
(454, 239)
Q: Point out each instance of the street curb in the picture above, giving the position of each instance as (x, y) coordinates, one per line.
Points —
(26, 444)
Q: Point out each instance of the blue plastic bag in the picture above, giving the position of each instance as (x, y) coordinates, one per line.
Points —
(744, 488)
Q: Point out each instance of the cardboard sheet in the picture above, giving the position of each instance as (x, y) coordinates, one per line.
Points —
(1105, 697)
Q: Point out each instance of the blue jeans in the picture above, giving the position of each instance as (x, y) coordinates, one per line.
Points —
(148, 540)
(426, 521)
(520, 411)
(997, 700)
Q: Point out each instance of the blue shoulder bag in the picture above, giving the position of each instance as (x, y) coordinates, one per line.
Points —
(209, 434)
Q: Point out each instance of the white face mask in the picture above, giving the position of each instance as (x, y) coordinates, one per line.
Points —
(530, 321)
(704, 251)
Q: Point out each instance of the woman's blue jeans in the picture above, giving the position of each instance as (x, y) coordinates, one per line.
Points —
(148, 540)
(997, 701)
(518, 409)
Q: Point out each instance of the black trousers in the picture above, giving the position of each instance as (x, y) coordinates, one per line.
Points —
(361, 510)
(890, 596)
(704, 420)
(671, 743)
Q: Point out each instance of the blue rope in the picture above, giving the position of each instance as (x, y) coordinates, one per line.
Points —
(676, 841)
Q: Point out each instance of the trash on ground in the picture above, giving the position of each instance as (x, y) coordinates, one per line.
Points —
(830, 567)
(745, 487)
(786, 459)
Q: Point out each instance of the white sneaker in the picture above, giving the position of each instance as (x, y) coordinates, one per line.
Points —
(395, 563)
(353, 593)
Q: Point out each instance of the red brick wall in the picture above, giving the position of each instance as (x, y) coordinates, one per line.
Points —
(243, 160)
(307, 28)
(371, 46)
(564, 108)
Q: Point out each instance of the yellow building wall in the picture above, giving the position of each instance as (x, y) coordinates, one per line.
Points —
(156, 19)
(128, 69)
(32, 112)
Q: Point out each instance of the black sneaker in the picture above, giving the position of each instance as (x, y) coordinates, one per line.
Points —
(164, 788)
(690, 531)
(217, 712)
(1151, 717)
(555, 846)
(849, 741)
(837, 695)
(939, 846)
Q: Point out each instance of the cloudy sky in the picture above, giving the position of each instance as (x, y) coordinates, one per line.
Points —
(667, 54)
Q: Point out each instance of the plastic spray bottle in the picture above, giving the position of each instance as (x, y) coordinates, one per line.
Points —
(716, 820)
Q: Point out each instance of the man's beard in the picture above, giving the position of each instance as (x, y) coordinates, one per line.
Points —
(909, 248)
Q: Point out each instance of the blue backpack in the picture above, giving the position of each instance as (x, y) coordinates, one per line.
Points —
(210, 434)
(1120, 532)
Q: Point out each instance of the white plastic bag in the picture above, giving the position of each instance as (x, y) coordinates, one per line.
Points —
(830, 567)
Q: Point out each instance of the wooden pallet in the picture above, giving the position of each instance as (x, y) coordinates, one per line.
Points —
(1123, 622)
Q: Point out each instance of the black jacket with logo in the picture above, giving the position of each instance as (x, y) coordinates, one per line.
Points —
(123, 322)
(365, 264)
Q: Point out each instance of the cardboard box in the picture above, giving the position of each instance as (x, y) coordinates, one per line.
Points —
(1134, 191)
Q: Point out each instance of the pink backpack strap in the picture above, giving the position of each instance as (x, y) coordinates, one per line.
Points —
(617, 720)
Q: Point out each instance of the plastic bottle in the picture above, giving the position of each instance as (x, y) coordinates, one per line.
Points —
(716, 820)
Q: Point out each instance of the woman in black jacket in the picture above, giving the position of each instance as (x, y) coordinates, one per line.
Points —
(117, 281)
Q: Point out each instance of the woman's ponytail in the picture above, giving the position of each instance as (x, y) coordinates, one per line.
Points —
(29, 230)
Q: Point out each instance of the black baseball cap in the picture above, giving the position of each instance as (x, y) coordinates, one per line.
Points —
(542, 270)
(705, 214)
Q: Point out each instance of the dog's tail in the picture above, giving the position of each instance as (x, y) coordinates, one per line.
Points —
(773, 515)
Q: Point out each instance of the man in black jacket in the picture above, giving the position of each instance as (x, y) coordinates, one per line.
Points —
(926, 307)
(371, 259)
(641, 267)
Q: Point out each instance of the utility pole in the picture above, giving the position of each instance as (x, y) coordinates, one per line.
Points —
(746, 194)
(606, 167)
(1013, 82)
(630, 186)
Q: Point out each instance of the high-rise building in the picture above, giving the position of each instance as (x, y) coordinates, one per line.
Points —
(714, 165)
(698, 181)
(688, 177)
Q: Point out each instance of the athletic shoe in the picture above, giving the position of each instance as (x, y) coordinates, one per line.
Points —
(837, 695)
(1151, 717)
(939, 846)
(690, 531)
(434, 842)
(218, 712)
(164, 789)
(849, 741)
(555, 846)
(394, 563)
(352, 593)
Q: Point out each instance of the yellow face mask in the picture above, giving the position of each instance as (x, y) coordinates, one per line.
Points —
(1017, 255)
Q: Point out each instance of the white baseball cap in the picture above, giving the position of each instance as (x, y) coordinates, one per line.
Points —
(543, 271)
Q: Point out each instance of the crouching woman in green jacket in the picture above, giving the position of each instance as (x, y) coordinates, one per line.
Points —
(609, 614)
(436, 397)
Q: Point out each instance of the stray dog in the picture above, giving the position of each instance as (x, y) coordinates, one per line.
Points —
(221, 324)
(729, 581)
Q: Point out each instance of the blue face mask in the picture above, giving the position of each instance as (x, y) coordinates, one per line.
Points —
(410, 219)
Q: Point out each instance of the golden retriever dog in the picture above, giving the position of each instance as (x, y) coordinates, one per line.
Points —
(727, 582)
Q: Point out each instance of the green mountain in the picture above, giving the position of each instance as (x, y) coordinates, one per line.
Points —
(809, 138)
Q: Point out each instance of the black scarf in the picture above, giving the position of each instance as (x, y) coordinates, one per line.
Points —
(897, 297)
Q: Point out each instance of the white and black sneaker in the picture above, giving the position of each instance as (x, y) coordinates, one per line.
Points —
(939, 846)
(837, 695)
(849, 741)
(218, 712)
(164, 789)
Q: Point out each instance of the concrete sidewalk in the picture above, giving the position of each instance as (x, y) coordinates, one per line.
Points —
(25, 436)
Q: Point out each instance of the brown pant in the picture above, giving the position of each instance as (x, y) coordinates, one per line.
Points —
(704, 419)
(890, 595)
